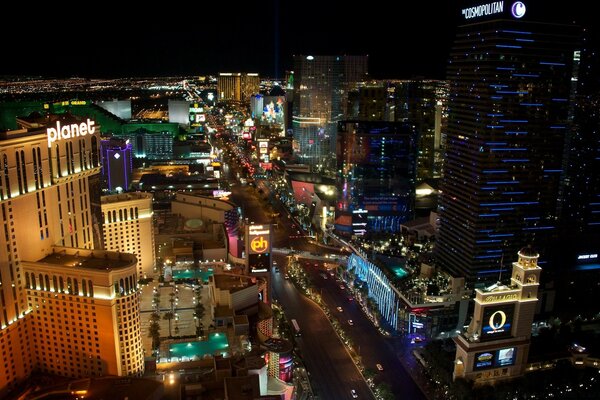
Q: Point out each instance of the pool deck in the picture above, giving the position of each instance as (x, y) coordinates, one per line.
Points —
(216, 343)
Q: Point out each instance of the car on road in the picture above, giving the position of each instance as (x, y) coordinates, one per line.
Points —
(342, 287)
(379, 367)
(354, 394)
(350, 322)
(340, 309)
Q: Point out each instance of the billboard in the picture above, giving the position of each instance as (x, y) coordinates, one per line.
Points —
(359, 222)
(497, 322)
(273, 110)
(495, 358)
(258, 248)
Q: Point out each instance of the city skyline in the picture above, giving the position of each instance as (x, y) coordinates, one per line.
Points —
(183, 212)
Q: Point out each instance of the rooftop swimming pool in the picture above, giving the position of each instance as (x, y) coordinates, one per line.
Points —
(398, 271)
(216, 344)
(191, 273)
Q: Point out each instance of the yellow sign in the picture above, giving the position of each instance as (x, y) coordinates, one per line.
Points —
(500, 297)
(496, 325)
(259, 244)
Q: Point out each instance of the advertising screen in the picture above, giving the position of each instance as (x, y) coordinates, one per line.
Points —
(258, 247)
(497, 322)
(505, 357)
(495, 358)
(484, 360)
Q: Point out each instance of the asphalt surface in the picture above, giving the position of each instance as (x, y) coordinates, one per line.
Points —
(372, 347)
(331, 369)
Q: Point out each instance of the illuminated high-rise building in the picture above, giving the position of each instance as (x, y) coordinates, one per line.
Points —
(508, 114)
(85, 318)
(45, 201)
(421, 103)
(117, 164)
(320, 89)
(376, 167)
(237, 86)
(581, 204)
(127, 228)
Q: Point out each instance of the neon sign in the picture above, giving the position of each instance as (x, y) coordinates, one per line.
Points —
(518, 9)
(496, 324)
(70, 131)
(485, 9)
(259, 244)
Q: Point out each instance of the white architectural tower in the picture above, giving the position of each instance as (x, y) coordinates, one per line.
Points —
(496, 345)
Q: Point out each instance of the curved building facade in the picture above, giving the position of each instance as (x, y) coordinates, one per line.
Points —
(83, 327)
(127, 227)
(85, 309)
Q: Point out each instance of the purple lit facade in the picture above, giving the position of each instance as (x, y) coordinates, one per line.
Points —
(116, 164)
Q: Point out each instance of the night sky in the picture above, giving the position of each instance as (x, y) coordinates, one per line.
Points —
(202, 40)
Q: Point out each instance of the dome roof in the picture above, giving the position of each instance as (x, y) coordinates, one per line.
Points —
(528, 251)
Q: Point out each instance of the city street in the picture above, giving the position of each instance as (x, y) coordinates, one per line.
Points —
(331, 368)
(332, 371)
(372, 347)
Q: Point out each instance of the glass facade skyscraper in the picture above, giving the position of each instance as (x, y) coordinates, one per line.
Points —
(508, 114)
(376, 167)
(320, 89)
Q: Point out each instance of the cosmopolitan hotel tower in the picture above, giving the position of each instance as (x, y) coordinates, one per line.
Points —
(65, 308)
(510, 84)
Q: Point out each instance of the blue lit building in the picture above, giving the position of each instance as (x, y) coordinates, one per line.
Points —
(407, 308)
(508, 115)
(376, 171)
(579, 248)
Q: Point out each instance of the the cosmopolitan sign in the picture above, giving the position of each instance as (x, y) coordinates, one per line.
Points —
(69, 131)
(485, 9)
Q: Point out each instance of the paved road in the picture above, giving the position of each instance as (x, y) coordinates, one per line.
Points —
(373, 348)
(332, 371)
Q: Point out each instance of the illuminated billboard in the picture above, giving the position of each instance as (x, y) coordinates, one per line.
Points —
(497, 322)
(359, 222)
(258, 248)
(273, 110)
(495, 358)
(197, 115)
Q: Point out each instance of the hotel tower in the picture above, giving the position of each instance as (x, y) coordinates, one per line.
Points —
(65, 308)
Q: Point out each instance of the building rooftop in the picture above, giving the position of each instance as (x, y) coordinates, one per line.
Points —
(233, 283)
(278, 345)
(242, 387)
(110, 387)
(114, 198)
(88, 259)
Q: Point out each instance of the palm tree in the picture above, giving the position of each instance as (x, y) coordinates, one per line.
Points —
(199, 312)
(154, 330)
(384, 391)
(369, 374)
(169, 315)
